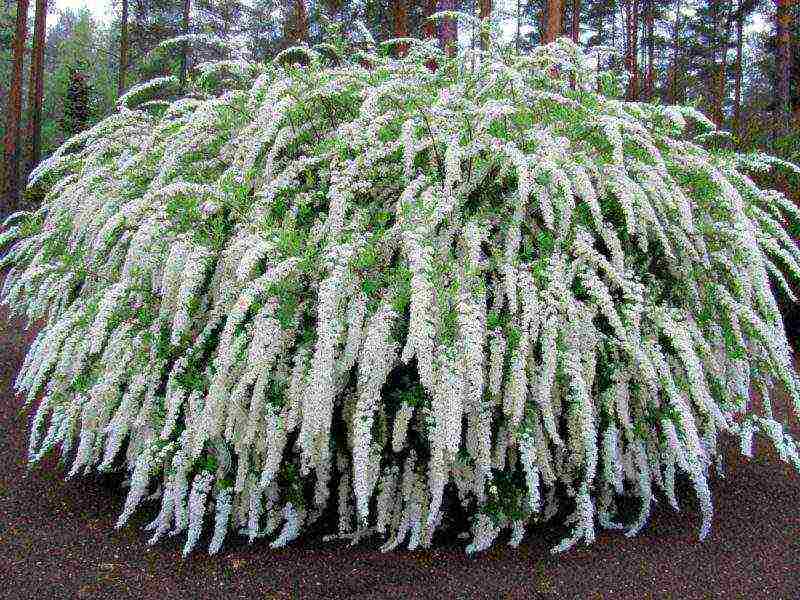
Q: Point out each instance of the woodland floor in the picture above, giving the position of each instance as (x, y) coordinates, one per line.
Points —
(57, 540)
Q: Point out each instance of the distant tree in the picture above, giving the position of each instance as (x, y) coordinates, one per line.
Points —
(400, 19)
(783, 20)
(649, 41)
(631, 8)
(737, 87)
(297, 22)
(672, 85)
(575, 32)
(448, 28)
(553, 22)
(123, 48)
(78, 103)
(14, 113)
(36, 86)
(485, 14)
(187, 8)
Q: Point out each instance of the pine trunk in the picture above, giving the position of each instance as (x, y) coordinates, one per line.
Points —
(123, 49)
(187, 7)
(554, 18)
(400, 17)
(632, 47)
(448, 28)
(36, 86)
(737, 91)
(429, 28)
(676, 44)
(784, 23)
(301, 31)
(649, 82)
(14, 115)
(485, 7)
(576, 21)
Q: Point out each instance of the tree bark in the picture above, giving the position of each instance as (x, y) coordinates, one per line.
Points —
(485, 8)
(123, 49)
(301, 32)
(400, 17)
(36, 86)
(649, 82)
(554, 18)
(783, 18)
(429, 28)
(187, 7)
(448, 28)
(14, 115)
(632, 47)
(737, 90)
(676, 43)
(718, 60)
(576, 21)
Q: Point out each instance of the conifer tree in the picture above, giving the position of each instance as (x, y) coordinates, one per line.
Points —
(11, 143)
(36, 85)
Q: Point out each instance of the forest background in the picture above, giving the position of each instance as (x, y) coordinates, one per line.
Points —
(63, 63)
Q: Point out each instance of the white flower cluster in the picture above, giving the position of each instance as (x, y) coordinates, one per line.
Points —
(390, 280)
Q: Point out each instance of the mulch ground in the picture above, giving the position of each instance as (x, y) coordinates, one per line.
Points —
(57, 540)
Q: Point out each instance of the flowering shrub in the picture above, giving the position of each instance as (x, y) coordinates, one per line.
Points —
(366, 273)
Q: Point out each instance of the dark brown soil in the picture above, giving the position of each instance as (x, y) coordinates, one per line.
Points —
(57, 540)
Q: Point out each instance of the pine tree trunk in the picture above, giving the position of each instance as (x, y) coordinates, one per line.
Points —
(632, 47)
(716, 81)
(187, 7)
(737, 92)
(649, 83)
(123, 49)
(576, 21)
(448, 29)
(400, 14)
(676, 43)
(301, 32)
(429, 28)
(485, 7)
(554, 18)
(14, 115)
(36, 86)
(783, 19)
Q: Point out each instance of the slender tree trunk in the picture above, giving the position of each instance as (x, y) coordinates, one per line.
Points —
(576, 21)
(716, 83)
(187, 7)
(123, 49)
(600, 36)
(485, 8)
(302, 21)
(783, 19)
(448, 28)
(737, 90)
(400, 17)
(429, 28)
(516, 37)
(14, 116)
(676, 43)
(632, 47)
(36, 86)
(649, 82)
(555, 16)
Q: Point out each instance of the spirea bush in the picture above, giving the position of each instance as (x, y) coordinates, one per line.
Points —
(346, 274)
